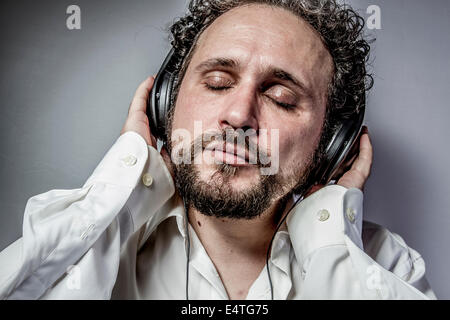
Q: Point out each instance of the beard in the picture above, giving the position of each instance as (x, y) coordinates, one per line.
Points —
(216, 197)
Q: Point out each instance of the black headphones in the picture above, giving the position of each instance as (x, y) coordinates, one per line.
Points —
(342, 147)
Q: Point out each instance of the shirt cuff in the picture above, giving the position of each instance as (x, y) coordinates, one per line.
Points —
(123, 163)
(152, 192)
(132, 163)
(324, 218)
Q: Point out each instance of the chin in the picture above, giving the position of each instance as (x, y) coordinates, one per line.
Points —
(239, 178)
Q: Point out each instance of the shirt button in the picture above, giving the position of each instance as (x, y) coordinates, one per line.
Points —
(129, 160)
(147, 180)
(351, 215)
(280, 244)
(303, 274)
(323, 215)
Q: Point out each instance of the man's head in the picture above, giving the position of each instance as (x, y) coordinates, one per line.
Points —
(282, 70)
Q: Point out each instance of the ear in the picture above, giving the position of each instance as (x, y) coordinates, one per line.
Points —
(341, 147)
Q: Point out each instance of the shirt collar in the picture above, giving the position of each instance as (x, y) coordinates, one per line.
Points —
(177, 210)
(280, 255)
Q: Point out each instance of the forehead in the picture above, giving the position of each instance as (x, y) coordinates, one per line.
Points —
(267, 36)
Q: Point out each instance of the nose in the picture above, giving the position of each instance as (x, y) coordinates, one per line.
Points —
(240, 109)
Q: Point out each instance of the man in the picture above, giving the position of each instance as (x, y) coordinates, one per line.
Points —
(150, 227)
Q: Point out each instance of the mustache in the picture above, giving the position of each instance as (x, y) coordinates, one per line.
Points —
(230, 137)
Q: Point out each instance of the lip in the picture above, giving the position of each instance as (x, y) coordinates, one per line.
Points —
(235, 158)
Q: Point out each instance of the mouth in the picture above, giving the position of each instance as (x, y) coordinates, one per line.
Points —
(229, 154)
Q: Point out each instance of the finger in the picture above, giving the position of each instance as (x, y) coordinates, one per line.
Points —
(139, 102)
(363, 162)
(153, 139)
(364, 130)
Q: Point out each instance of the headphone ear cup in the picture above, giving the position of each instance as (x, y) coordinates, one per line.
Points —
(160, 98)
(342, 143)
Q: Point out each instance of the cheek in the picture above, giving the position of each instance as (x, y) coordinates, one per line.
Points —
(183, 116)
(192, 117)
(298, 143)
(192, 110)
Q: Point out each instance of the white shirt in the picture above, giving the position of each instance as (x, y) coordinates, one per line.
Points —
(122, 235)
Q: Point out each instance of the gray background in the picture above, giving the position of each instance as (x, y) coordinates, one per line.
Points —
(65, 94)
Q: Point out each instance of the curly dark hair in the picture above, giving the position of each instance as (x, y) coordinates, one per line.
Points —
(339, 26)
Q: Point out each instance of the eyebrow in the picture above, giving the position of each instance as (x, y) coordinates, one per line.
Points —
(273, 72)
(217, 62)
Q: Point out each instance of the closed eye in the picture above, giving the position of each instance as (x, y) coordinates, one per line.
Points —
(274, 93)
(286, 106)
(217, 88)
(281, 96)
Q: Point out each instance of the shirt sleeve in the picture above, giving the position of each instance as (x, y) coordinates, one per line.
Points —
(72, 238)
(326, 231)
